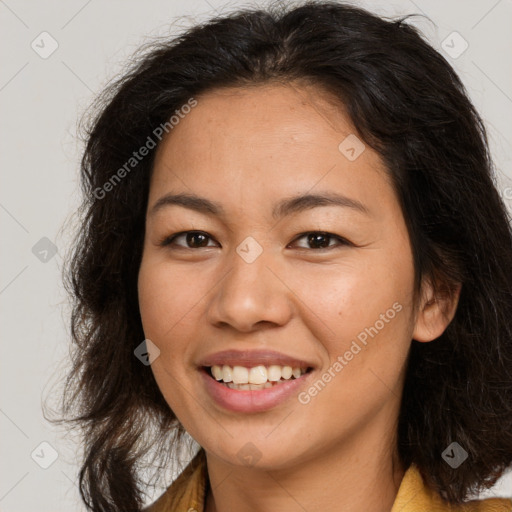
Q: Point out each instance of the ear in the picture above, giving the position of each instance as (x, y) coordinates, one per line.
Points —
(435, 311)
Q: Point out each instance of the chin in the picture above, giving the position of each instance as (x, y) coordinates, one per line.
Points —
(262, 454)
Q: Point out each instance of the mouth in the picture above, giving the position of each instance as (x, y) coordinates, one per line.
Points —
(254, 378)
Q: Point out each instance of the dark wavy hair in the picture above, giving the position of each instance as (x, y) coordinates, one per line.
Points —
(409, 105)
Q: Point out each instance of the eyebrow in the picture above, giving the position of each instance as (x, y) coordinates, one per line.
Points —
(283, 208)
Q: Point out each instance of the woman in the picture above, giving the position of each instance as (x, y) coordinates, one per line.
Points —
(293, 251)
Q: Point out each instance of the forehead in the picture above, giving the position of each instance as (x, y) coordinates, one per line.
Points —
(266, 141)
(264, 115)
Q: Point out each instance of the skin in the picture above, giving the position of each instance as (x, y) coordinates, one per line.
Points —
(247, 149)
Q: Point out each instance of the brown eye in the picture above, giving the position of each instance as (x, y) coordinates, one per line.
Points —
(193, 240)
(316, 240)
(319, 240)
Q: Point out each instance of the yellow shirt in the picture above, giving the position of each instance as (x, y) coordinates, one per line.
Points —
(187, 494)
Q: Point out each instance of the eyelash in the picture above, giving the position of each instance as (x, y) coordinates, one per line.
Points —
(168, 240)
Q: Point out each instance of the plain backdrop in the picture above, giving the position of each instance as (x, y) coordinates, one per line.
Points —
(42, 98)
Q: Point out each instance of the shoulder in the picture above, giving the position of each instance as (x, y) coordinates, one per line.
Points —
(487, 505)
(414, 496)
(187, 491)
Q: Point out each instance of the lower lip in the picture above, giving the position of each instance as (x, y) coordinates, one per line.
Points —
(252, 400)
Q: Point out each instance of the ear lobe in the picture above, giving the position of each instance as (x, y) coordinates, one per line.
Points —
(435, 311)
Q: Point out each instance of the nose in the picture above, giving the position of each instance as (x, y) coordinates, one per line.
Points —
(252, 295)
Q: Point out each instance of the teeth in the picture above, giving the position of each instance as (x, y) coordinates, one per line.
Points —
(258, 376)
(217, 372)
(252, 387)
(274, 373)
(286, 372)
(240, 375)
(227, 374)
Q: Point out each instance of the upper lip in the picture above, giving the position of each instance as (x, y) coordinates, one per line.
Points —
(251, 358)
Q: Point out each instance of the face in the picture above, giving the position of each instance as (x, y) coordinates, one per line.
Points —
(323, 285)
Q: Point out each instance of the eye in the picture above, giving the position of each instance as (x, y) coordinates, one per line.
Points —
(320, 240)
(199, 239)
(193, 240)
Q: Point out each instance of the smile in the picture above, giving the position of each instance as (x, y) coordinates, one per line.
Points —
(255, 378)
(249, 397)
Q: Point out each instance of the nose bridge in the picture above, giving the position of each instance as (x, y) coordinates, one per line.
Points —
(249, 263)
(250, 292)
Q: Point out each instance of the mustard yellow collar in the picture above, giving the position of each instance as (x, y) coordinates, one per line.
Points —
(187, 493)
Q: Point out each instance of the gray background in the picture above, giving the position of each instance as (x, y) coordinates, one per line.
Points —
(41, 101)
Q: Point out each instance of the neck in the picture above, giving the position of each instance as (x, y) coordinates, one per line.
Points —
(358, 475)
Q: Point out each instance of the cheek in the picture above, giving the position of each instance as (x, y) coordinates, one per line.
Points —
(167, 299)
(365, 319)
(153, 301)
(347, 299)
(366, 355)
(162, 303)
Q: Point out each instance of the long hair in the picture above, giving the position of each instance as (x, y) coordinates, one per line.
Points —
(408, 104)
